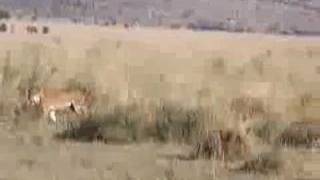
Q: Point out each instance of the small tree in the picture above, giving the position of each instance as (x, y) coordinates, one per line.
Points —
(4, 14)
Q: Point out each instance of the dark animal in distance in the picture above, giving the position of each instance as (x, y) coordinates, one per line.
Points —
(3, 27)
(32, 29)
(45, 29)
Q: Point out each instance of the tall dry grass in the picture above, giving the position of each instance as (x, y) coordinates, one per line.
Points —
(131, 92)
(163, 89)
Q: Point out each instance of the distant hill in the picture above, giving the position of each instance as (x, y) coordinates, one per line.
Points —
(278, 16)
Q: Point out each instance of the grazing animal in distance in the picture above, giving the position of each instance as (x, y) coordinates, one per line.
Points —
(32, 29)
(51, 100)
(3, 27)
(45, 30)
(126, 25)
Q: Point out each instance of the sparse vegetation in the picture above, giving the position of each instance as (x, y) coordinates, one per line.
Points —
(300, 134)
(127, 124)
(274, 162)
(134, 106)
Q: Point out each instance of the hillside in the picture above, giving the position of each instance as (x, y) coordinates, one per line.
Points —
(277, 16)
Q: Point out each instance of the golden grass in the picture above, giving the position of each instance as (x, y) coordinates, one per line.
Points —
(157, 65)
(163, 84)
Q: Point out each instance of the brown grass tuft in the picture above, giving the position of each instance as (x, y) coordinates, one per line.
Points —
(222, 145)
(280, 162)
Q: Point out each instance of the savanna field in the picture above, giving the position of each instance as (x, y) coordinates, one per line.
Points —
(158, 93)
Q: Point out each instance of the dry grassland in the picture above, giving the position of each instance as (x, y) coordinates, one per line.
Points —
(157, 92)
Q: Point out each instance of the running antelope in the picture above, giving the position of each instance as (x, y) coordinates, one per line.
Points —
(51, 100)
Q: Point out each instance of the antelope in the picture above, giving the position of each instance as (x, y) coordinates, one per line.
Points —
(51, 100)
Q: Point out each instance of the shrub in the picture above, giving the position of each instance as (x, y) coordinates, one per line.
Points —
(176, 123)
(268, 130)
(128, 124)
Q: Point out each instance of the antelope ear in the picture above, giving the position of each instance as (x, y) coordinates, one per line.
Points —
(72, 107)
